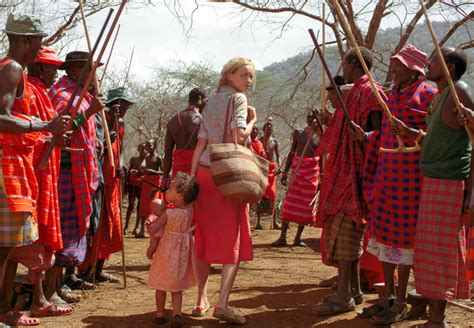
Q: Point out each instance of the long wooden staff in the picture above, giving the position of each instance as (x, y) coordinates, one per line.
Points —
(323, 78)
(93, 76)
(331, 79)
(401, 146)
(110, 56)
(117, 130)
(96, 82)
(445, 69)
(79, 86)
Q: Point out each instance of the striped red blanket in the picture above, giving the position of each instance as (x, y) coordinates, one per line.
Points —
(299, 205)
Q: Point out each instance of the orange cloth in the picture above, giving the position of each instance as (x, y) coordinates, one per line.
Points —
(17, 161)
(182, 159)
(173, 265)
(48, 217)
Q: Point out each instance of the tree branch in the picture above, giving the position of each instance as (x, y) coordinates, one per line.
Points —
(374, 24)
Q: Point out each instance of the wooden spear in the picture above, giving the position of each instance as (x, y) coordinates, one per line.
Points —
(96, 84)
(401, 146)
(80, 85)
(445, 69)
(106, 130)
(110, 56)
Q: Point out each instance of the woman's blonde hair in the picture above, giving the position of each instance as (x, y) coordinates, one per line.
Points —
(231, 66)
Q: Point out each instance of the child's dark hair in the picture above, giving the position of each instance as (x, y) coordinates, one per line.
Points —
(187, 185)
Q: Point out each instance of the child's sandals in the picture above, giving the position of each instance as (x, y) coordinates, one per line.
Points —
(199, 312)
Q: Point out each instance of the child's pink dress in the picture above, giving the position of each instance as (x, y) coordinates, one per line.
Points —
(173, 265)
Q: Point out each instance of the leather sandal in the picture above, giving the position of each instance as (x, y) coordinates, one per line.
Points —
(229, 315)
(332, 305)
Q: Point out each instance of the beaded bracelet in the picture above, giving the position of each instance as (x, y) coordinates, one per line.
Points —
(420, 135)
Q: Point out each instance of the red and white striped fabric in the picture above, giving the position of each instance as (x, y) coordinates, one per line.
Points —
(299, 205)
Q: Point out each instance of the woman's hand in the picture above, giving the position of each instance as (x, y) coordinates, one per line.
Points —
(251, 114)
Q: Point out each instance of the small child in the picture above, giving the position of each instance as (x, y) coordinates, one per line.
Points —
(173, 264)
(158, 208)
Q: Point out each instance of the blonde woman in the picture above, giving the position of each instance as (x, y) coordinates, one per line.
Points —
(222, 226)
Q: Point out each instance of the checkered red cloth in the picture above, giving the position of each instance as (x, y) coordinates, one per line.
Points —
(440, 245)
(470, 253)
(47, 208)
(397, 184)
(74, 240)
(84, 165)
(341, 186)
(299, 205)
(19, 179)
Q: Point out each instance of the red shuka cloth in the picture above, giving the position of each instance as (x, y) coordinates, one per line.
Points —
(398, 179)
(182, 159)
(19, 179)
(145, 198)
(47, 205)
(257, 148)
(341, 189)
(110, 236)
(84, 165)
(270, 192)
(300, 205)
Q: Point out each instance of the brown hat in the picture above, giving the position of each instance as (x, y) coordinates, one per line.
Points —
(76, 58)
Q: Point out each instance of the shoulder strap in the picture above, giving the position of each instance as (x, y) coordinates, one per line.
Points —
(230, 103)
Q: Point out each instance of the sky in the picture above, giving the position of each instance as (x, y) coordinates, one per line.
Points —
(159, 38)
(218, 34)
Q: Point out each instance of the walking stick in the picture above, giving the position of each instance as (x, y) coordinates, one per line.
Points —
(154, 185)
(401, 146)
(79, 86)
(110, 55)
(331, 79)
(445, 69)
(117, 129)
(96, 82)
(106, 129)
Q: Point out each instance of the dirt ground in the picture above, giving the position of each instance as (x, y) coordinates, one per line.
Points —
(277, 289)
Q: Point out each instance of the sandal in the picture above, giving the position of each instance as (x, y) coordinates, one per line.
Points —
(176, 321)
(229, 315)
(103, 277)
(69, 296)
(51, 311)
(58, 301)
(328, 282)
(370, 311)
(279, 243)
(75, 283)
(159, 320)
(389, 316)
(199, 312)
(15, 318)
(331, 306)
(433, 324)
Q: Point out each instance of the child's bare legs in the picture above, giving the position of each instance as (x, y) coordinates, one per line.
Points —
(152, 247)
(203, 270)
(160, 299)
(229, 271)
(177, 301)
(131, 205)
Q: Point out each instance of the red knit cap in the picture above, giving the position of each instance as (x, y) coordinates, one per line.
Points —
(47, 55)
